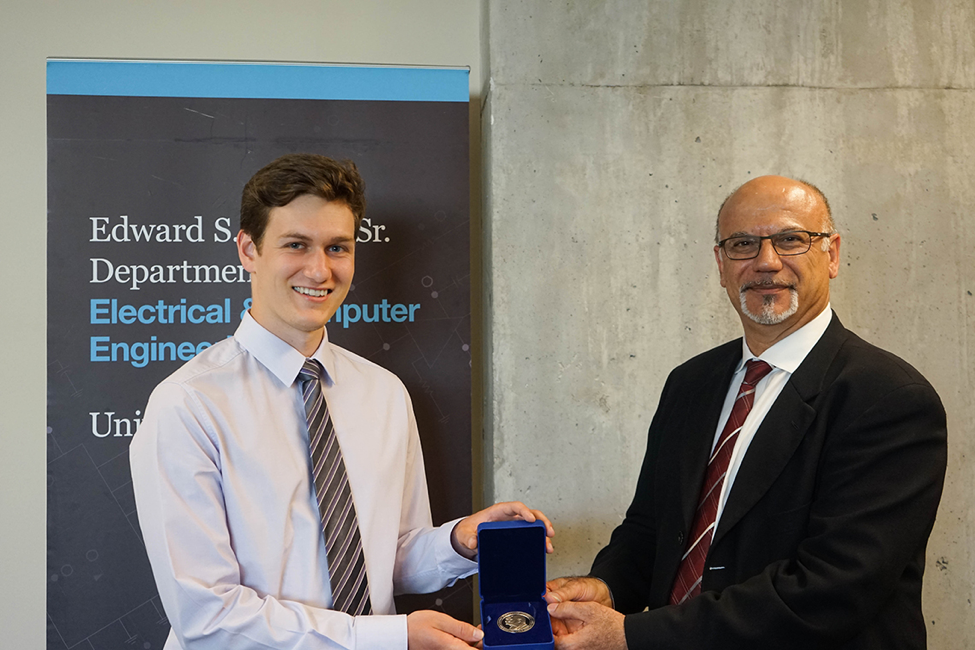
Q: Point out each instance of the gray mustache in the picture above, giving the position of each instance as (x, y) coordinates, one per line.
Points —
(765, 284)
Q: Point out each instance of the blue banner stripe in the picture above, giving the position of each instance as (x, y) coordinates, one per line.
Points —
(256, 81)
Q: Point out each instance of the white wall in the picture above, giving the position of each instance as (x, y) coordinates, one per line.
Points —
(427, 32)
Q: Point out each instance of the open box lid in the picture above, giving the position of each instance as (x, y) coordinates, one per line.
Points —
(511, 560)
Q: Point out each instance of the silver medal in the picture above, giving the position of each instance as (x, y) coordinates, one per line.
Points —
(516, 622)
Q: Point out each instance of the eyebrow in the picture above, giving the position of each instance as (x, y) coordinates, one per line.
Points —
(779, 232)
(305, 238)
(295, 235)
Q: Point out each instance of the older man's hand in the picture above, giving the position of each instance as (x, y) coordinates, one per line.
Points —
(578, 589)
(588, 625)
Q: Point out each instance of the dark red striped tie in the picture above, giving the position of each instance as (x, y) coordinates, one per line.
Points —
(688, 581)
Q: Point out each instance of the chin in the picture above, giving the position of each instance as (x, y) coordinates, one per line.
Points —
(311, 323)
(767, 313)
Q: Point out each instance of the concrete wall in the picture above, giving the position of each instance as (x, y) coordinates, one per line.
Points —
(613, 130)
(431, 32)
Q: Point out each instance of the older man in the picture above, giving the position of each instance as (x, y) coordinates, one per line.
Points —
(791, 478)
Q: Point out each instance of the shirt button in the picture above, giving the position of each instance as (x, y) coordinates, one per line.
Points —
(680, 538)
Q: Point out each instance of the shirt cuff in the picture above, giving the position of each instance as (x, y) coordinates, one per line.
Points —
(381, 632)
(450, 561)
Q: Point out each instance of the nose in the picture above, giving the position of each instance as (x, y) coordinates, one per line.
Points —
(318, 267)
(768, 259)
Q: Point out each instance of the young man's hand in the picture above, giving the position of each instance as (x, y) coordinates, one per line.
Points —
(464, 536)
(430, 629)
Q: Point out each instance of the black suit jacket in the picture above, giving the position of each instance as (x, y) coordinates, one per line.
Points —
(821, 542)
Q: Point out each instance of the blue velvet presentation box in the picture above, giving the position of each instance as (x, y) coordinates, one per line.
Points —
(511, 566)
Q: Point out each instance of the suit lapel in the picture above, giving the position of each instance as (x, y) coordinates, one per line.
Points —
(698, 432)
(687, 445)
(782, 430)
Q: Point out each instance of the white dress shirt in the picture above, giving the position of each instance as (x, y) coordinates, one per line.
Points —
(784, 357)
(222, 479)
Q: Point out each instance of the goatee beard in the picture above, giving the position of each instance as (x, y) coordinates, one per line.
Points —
(768, 316)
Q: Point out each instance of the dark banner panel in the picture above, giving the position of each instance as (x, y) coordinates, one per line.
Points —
(143, 201)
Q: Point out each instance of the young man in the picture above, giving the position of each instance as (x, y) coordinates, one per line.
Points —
(791, 478)
(278, 477)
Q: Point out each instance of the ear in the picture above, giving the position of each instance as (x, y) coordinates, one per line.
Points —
(834, 256)
(720, 261)
(247, 252)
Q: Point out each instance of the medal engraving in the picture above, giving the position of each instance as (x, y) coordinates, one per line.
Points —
(516, 622)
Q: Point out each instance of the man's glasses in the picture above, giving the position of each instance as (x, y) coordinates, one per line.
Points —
(746, 247)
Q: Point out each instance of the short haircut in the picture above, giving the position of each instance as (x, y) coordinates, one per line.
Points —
(829, 226)
(282, 181)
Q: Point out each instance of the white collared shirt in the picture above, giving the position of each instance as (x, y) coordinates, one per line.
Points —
(222, 479)
(784, 357)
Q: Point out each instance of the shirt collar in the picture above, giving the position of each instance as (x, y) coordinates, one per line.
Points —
(279, 357)
(788, 353)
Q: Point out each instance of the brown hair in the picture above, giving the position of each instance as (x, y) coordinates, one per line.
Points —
(282, 181)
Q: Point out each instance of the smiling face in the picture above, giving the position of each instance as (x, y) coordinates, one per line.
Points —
(302, 270)
(775, 295)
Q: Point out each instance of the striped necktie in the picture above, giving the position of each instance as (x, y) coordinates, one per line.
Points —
(343, 545)
(691, 569)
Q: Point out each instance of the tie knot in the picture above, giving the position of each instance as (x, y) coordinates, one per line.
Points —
(311, 369)
(755, 370)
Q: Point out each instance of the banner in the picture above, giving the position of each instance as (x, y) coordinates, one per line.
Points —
(146, 162)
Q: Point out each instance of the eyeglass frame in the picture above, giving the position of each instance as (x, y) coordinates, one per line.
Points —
(812, 236)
